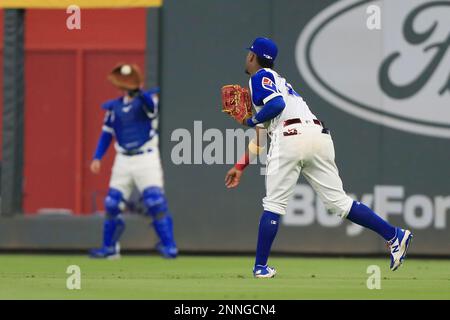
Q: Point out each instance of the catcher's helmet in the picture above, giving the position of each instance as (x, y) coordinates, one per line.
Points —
(126, 76)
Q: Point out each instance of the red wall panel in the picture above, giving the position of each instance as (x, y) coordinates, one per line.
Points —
(1, 104)
(113, 28)
(1, 84)
(1, 28)
(49, 131)
(65, 86)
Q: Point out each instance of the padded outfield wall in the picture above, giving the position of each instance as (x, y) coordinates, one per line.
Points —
(384, 96)
(384, 93)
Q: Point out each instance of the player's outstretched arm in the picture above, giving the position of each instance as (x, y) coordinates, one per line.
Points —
(150, 101)
(102, 147)
(255, 147)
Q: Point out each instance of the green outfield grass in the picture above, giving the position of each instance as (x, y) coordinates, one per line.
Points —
(192, 277)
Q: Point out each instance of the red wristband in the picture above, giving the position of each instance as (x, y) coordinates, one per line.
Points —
(243, 162)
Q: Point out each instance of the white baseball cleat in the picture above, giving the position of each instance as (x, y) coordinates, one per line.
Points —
(398, 247)
(264, 272)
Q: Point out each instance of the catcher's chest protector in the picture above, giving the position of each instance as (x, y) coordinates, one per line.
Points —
(131, 124)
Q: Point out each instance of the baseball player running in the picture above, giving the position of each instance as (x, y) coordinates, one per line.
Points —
(132, 120)
(299, 144)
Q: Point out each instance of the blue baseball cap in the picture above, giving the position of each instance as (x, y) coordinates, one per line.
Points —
(264, 48)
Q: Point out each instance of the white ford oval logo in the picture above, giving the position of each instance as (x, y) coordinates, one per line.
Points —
(398, 76)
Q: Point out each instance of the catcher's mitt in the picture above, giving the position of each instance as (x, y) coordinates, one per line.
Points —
(126, 77)
(236, 102)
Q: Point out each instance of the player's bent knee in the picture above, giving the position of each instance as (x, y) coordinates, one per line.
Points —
(340, 206)
(113, 202)
(155, 202)
(274, 206)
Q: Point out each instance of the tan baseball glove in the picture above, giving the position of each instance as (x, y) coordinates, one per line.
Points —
(126, 76)
(236, 102)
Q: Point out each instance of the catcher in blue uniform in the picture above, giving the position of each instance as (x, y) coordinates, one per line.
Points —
(132, 120)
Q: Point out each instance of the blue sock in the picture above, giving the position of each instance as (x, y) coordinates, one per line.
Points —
(164, 229)
(268, 227)
(112, 230)
(364, 216)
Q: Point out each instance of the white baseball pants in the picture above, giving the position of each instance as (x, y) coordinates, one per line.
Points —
(143, 170)
(311, 153)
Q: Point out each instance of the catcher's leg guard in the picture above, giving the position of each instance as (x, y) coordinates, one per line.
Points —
(113, 228)
(156, 205)
(113, 202)
(113, 225)
(155, 201)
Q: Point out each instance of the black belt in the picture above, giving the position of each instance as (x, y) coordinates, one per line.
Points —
(292, 132)
(298, 120)
(135, 152)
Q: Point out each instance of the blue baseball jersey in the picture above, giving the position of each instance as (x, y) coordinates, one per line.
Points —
(131, 122)
(264, 87)
(275, 101)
